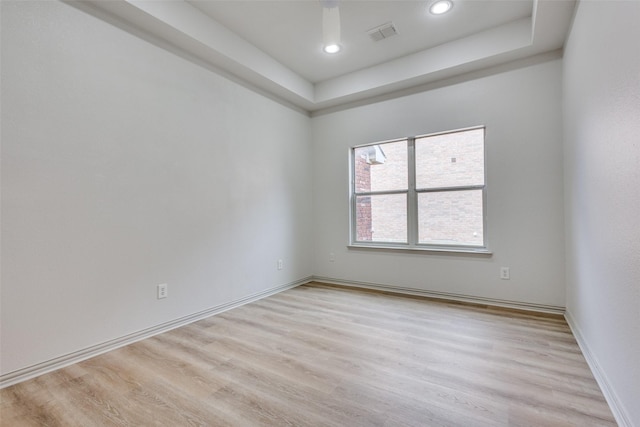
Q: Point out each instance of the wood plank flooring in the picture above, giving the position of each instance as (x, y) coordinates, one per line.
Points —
(318, 355)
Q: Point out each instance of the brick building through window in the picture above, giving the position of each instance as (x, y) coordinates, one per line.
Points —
(447, 192)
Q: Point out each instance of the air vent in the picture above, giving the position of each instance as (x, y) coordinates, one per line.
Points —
(382, 32)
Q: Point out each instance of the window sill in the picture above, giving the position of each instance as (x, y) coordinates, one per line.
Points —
(462, 250)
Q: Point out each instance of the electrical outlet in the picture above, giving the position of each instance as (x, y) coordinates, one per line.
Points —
(332, 257)
(280, 264)
(504, 273)
(162, 291)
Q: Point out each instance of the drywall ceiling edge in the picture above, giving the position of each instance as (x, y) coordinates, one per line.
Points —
(187, 28)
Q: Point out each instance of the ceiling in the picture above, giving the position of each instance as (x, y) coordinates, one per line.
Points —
(276, 46)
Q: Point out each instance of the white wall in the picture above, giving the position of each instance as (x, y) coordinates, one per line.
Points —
(125, 166)
(602, 170)
(521, 109)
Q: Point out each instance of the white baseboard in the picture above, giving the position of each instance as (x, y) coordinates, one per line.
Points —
(616, 407)
(89, 352)
(29, 372)
(445, 295)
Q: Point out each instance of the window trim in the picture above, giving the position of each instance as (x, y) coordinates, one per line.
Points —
(412, 193)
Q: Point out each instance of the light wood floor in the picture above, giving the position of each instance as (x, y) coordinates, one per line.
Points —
(326, 356)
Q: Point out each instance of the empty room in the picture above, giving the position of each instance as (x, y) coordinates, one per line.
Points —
(320, 213)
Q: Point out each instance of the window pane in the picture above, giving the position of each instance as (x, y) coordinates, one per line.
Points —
(451, 218)
(381, 218)
(450, 160)
(381, 167)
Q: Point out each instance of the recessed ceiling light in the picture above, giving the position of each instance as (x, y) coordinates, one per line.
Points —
(441, 6)
(332, 48)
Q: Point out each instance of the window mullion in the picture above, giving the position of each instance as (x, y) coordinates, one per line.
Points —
(412, 202)
(380, 193)
(450, 189)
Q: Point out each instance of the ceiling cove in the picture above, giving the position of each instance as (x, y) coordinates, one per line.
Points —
(275, 46)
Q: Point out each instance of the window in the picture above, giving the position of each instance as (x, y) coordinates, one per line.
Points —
(424, 192)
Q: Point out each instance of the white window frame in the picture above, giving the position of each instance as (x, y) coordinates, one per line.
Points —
(412, 201)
